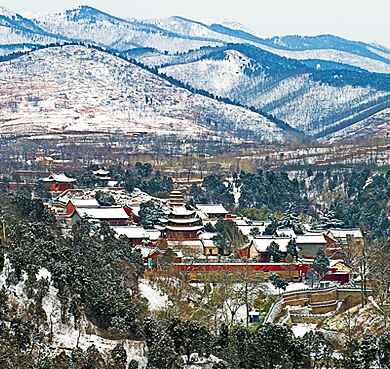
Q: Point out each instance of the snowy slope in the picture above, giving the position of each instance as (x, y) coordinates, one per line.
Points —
(281, 87)
(178, 34)
(75, 88)
(337, 56)
(91, 25)
(190, 51)
(376, 125)
(17, 30)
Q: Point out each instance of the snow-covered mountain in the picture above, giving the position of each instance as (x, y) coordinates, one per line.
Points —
(178, 34)
(76, 88)
(314, 101)
(317, 85)
(91, 25)
(18, 33)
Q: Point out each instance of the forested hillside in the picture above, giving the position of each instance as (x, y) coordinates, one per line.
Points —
(94, 277)
(310, 99)
(87, 89)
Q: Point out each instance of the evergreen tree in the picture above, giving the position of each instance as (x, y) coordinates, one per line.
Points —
(321, 350)
(351, 355)
(384, 350)
(273, 251)
(162, 354)
(368, 350)
(209, 228)
(291, 220)
(119, 357)
(254, 231)
(321, 264)
(229, 237)
(278, 282)
(104, 199)
(42, 191)
(292, 248)
(329, 220)
(133, 364)
(150, 214)
(273, 343)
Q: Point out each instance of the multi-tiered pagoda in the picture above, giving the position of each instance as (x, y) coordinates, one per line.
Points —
(181, 223)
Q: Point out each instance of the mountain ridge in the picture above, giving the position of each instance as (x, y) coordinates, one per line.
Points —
(301, 83)
(138, 98)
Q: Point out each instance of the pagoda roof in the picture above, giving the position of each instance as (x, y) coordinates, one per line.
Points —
(183, 229)
(183, 220)
(101, 172)
(181, 210)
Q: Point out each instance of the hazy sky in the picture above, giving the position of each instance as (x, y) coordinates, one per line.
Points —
(365, 20)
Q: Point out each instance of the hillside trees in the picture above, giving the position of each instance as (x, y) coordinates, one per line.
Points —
(213, 191)
(95, 272)
(272, 189)
(379, 277)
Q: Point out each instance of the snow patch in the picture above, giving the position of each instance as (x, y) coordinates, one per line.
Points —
(300, 329)
(157, 300)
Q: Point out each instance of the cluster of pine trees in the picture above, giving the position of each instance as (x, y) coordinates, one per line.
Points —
(95, 275)
(139, 175)
(172, 343)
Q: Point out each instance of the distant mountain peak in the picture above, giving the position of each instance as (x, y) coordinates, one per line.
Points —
(230, 24)
(86, 12)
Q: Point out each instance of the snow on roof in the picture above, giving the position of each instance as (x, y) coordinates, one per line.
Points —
(182, 220)
(245, 229)
(286, 232)
(131, 232)
(154, 234)
(103, 213)
(61, 177)
(101, 172)
(184, 229)
(261, 243)
(85, 203)
(208, 243)
(185, 243)
(311, 238)
(212, 209)
(135, 209)
(344, 233)
(201, 215)
(181, 210)
(207, 235)
(259, 223)
(112, 183)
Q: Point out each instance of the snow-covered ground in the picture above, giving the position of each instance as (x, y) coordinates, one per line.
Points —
(300, 329)
(66, 336)
(74, 88)
(291, 287)
(157, 300)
